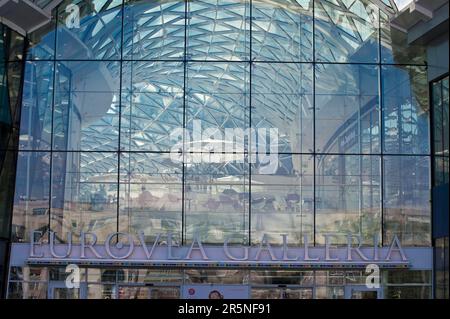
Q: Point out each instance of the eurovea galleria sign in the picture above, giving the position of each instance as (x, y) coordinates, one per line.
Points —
(127, 249)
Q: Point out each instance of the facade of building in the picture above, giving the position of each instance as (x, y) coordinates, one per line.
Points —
(226, 148)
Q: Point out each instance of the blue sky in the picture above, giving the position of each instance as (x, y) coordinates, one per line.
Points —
(402, 3)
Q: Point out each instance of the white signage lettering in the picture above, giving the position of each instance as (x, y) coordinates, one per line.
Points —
(122, 246)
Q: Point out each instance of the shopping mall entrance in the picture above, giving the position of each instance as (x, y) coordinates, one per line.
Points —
(98, 283)
(58, 290)
(52, 281)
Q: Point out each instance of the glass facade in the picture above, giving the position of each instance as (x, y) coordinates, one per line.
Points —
(224, 118)
(101, 104)
(97, 283)
(11, 67)
(440, 104)
(440, 111)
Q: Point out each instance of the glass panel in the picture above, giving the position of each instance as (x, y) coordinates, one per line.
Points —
(218, 30)
(282, 199)
(408, 277)
(60, 274)
(347, 109)
(348, 197)
(150, 195)
(12, 44)
(216, 202)
(330, 293)
(441, 170)
(405, 292)
(441, 268)
(101, 291)
(12, 78)
(89, 29)
(27, 290)
(153, 29)
(364, 294)
(16, 273)
(8, 163)
(281, 277)
(437, 117)
(285, 293)
(346, 31)
(282, 100)
(441, 131)
(33, 274)
(446, 115)
(41, 45)
(36, 112)
(228, 276)
(66, 293)
(152, 276)
(266, 293)
(355, 277)
(164, 293)
(216, 100)
(152, 105)
(86, 115)
(407, 200)
(330, 277)
(395, 47)
(96, 275)
(282, 30)
(31, 200)
(134, 292)
(84, 196)
(405, 110)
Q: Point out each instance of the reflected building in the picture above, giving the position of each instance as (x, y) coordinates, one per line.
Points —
(106, 87)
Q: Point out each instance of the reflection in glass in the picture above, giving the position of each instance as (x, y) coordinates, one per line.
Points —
(31, 200)
(284, 293)
(395, 47)
(216, 202)
(216, 105)
(441, 266)
(405, 110)
(216, 276)
(331, 292)
(153, 29)
(348, 197)
(347, 109)
(84, 196)
(41, 45)
(27, 290)
(11, 44)
(115, 96)
(218, 30)
(282, 30)
(407, 292)
(150, 195)
(282, 202)
(440, 105)
(36, 112)
(96, 34)
(101, 291)
(282, 100)
(152, 105)
(407, 200)
(346, 31)
(86, 111)
(282, 277)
